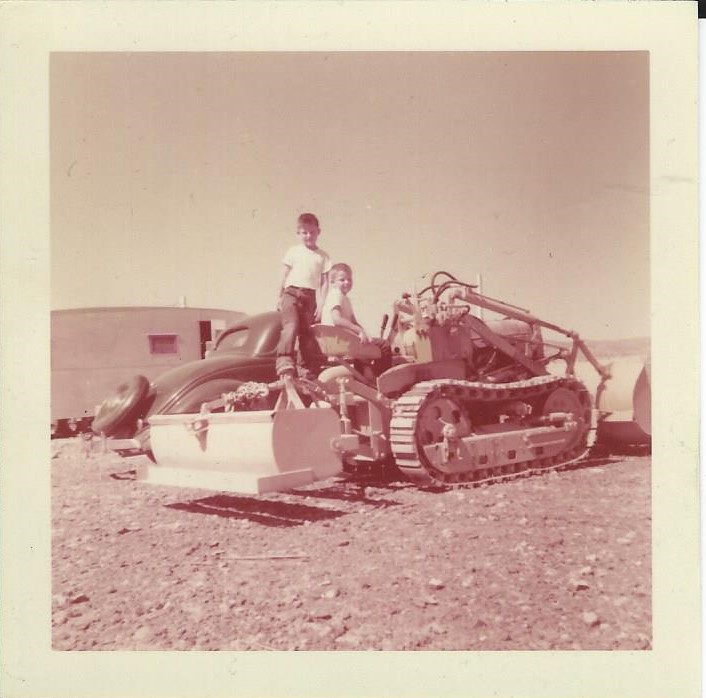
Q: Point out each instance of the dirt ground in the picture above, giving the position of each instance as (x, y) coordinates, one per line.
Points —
(559, 561)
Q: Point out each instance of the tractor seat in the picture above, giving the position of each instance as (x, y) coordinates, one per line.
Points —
(342, 343)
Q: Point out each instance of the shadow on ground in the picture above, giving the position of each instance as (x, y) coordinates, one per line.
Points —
(622, 450)
(125, 475)
(593, 462)
(356, 491)
(264, 512)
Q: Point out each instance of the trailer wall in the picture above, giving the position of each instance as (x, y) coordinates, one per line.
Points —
(93, 350)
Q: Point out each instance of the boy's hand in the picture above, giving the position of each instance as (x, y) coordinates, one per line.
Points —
(363, 336)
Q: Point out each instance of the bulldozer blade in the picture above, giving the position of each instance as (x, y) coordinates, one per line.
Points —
(624, 401)
(620, 434)
(244, 452)
(642, 399)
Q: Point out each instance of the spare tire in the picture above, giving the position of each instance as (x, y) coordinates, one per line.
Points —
(123, 405)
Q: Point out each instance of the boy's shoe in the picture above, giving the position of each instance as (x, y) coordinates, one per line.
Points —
(285, 366)
(305, 373)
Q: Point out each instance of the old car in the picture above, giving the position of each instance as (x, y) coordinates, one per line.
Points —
(244, 352)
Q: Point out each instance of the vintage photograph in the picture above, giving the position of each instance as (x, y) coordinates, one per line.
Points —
(350, 350)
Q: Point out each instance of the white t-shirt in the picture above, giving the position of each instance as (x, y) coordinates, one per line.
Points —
(307, 266)
(335, 298)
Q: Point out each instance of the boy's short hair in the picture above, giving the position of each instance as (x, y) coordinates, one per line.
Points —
(308, 219)
(340, 266)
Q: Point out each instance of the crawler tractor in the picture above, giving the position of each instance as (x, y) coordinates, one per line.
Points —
(447, 398)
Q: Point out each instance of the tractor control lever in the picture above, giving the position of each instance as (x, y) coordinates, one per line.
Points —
(385, 318)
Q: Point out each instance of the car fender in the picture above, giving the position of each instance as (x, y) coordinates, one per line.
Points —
(191, 401)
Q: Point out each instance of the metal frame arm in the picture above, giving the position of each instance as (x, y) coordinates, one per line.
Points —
(516, 313)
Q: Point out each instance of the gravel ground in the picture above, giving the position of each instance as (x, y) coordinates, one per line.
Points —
(560, 561)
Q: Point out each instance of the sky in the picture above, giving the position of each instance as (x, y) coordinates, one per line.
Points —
(182, 174)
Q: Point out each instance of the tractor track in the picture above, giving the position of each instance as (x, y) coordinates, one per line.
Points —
(404, 433)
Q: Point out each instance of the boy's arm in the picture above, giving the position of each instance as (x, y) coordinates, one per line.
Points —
(340, 321)
(355, 320)
(285, 273)
(323, 292)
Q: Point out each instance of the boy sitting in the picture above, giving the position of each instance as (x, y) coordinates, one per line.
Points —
(338, 311)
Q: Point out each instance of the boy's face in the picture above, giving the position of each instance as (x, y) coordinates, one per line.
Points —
(343, 281)
(308, 233)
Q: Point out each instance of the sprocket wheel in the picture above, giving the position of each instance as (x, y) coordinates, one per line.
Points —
(437, 414)
(565, 400)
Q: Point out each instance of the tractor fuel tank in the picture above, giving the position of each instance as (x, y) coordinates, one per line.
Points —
(457, 340)
(515, 331)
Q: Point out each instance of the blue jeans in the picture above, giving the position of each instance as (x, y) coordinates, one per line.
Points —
(298, 309)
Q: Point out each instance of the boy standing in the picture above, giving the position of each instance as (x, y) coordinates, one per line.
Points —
(304, 276)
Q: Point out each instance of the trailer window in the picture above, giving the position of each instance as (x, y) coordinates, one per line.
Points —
(163, 343)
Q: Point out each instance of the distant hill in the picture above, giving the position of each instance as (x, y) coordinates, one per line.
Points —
(611, 348)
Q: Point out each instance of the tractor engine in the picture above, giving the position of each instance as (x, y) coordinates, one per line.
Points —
(446, 330)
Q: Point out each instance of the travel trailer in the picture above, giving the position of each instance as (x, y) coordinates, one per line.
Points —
(93, 350)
